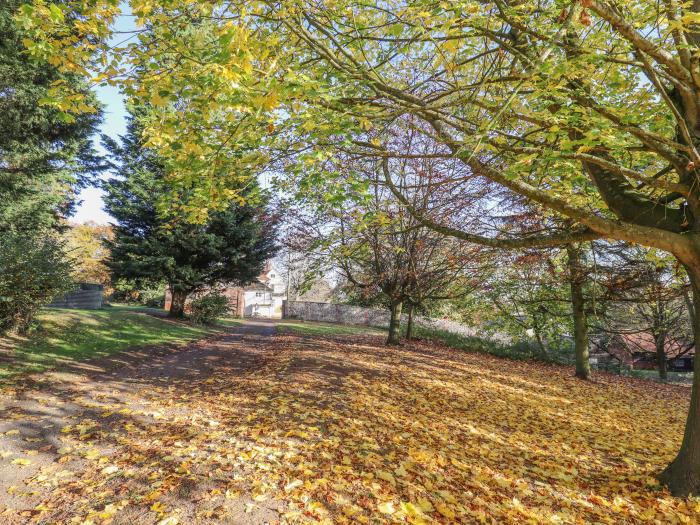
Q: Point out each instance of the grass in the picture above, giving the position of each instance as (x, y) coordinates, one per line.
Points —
(653, 375)
(325, 329)
(229, 322)
(66, 335)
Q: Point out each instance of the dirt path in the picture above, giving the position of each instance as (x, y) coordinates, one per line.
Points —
(35, 422)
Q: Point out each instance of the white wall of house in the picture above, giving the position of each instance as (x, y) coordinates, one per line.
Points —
(264, 299)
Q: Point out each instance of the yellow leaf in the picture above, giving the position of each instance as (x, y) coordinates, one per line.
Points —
(449, 498)
(445, 510)
(425, 505)
(386, 476)
(292, 485)
(386, 507)
(110, 470)
(170, 520)
(21, 461)
(92, 454)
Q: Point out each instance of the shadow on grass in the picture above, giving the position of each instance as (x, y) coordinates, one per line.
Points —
(66, 337)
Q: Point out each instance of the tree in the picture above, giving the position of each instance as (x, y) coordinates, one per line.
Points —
(45, 155)
(86, 245)
(589, 109)
(232, 245)
(645, 296)
(384, 255)
(33, 271)
(555, 112)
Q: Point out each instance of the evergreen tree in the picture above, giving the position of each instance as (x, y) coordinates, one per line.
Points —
(231, 246)
(45, 155)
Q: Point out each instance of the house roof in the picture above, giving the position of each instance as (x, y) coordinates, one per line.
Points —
(257, 287)
(627, 347)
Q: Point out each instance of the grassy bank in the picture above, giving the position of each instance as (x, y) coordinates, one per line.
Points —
(65, 335)
(324, 329)
(523, 350)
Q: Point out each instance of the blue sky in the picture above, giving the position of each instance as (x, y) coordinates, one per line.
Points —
(114, 125)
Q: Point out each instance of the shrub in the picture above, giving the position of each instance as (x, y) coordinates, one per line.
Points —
(520, 350)
(151, 294)
(208, 308)
(33, 270)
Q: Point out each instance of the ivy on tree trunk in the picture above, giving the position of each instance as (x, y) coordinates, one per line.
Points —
(578, 307)
(395, 324)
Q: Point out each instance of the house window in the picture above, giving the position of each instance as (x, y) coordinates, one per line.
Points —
(258, 294)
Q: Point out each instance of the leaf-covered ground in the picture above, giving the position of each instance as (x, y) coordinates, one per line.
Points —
(258, 428)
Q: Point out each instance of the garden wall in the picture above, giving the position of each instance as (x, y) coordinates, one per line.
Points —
(335, 313)
(359, 315)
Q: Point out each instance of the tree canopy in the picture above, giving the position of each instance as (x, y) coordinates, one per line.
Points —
(587, 109)
(45, 155)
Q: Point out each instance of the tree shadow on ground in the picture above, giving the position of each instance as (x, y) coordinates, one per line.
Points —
(337, 429)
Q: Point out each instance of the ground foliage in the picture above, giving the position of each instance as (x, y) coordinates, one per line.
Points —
(343, 430)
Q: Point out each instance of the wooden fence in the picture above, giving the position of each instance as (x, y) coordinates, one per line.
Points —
(87, 296)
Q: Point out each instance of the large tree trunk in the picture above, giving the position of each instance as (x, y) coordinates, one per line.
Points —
(689, 304)
(177, 303)
(409, 322)
(578, 307)
(682, 475)
(660, 343)
(395, 324)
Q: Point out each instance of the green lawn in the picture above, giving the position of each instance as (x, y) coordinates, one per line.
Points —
(66, 335)
(313, 328)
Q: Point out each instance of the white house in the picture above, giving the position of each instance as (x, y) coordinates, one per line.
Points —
(265, 297)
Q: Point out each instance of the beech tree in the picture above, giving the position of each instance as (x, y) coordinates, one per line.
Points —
(383, 254)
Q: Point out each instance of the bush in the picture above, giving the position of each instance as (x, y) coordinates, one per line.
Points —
(33, 271)
(152, 296)
(208, 308)
(520, 350)
(144, 293)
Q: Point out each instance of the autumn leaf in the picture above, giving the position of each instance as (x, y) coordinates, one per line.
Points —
(386, 508)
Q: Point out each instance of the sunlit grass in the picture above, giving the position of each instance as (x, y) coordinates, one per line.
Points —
(66, 335)
(327, 329)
